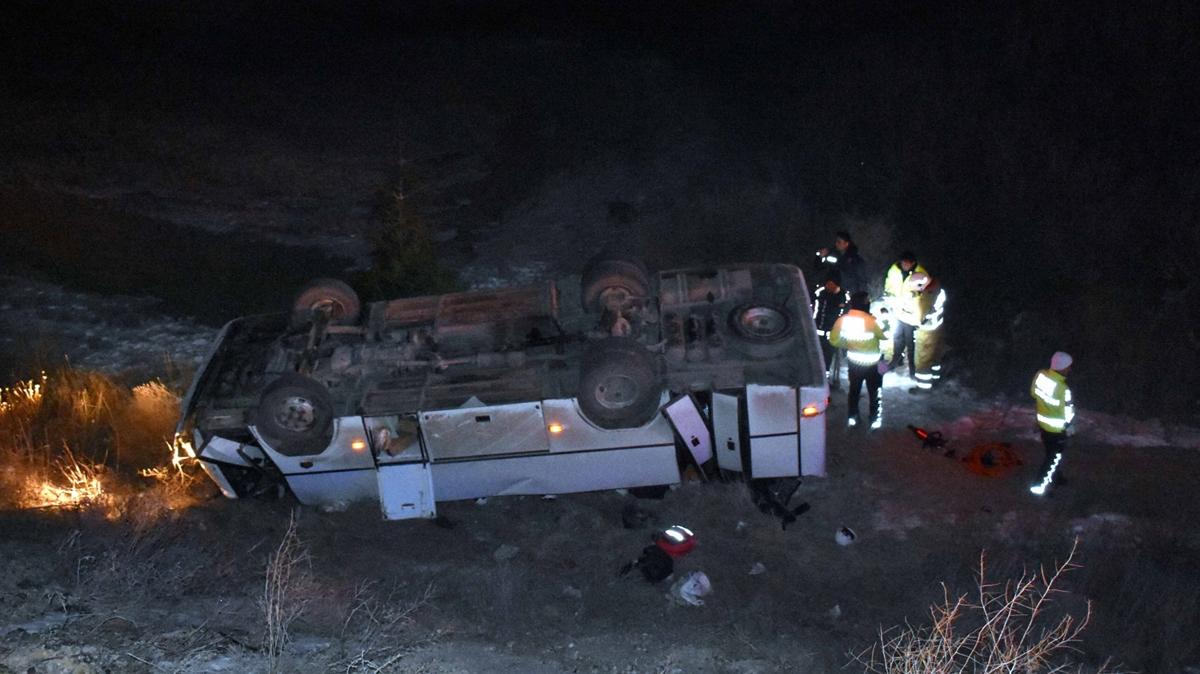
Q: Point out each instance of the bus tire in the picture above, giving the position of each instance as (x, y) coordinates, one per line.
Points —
(295, 415)
(612, 276)
(326, 294)
(619, 384)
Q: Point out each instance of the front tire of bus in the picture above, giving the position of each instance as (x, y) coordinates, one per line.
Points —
(619, 384)
(295, 415)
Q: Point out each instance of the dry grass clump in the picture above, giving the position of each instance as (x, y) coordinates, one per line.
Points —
(1003, 628)
(78, 439)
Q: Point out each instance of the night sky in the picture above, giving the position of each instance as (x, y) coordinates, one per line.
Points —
(1042, 159)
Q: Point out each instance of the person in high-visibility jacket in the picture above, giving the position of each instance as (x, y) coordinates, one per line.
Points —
(858, 332)
(1055, 413)
(903, 298)
(929, 341)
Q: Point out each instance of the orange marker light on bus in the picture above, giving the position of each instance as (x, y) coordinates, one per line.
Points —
(811, 410)
(358, 444)
(555, 428)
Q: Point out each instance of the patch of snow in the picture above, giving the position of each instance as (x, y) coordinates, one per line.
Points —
(1100, 522)
(106, 333)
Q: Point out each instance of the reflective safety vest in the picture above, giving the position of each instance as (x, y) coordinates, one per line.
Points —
(933, 307)
(1054, 407)
(902, 300)
(858, 333)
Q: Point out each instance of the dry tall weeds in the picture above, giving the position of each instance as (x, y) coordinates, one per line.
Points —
(68, 439)
(1009, 628)
(285, 594)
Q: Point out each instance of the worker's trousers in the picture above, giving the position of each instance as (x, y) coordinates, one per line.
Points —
(1055, 445)
(860, 374)
(833, 362)
(904, 344)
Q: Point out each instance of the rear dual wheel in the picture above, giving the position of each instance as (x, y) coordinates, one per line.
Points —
(620, 385)
(326, 295)
(613, 280)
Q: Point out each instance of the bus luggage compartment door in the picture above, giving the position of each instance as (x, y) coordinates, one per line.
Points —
(727, 432)
(690, 426)
(406, 491)
(774, 431)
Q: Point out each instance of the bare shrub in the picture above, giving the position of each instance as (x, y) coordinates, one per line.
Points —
(372, 636)
(1002, 628)
(285, 592)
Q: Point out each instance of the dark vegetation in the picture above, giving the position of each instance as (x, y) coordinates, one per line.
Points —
(405, 261)
(1041, 159)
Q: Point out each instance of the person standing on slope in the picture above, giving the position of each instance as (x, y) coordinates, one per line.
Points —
(858, 332)
(1055, 412)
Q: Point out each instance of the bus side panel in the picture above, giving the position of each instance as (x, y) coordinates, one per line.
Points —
(557, 473)
(582, 457)
(338, 474)
(812, 431)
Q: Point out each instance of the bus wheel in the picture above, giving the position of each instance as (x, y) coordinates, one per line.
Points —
(619, 384)
(295, 415)
(329, 295)
(761, 330)
(613, 278)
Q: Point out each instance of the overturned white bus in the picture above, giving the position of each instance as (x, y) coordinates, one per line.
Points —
(615, 378)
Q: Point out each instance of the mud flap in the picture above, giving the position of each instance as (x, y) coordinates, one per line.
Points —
(406, 491)
(690, 426)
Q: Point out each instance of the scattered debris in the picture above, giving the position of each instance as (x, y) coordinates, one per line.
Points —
(549, 497)
(758, 568)
(482, 500)
(505, 552)
(654, 564)
(676, 541)
(691, 588)
(992, 459)
(835, 612)
(741, 529)
(929, 439)
(772, 498)
(573, 592)
(845, 536)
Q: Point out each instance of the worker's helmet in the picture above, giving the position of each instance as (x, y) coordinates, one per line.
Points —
(917, 281)
(1061, 360)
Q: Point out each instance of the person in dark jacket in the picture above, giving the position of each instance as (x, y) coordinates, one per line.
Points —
(846, 260)
(829, 303)
(851, 265)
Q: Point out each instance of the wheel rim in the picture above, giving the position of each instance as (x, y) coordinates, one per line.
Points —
(334, 308)
(296, 414)
(616, 391)
(762, 322)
